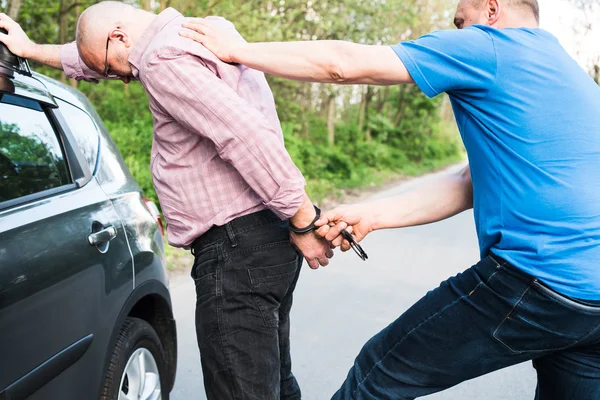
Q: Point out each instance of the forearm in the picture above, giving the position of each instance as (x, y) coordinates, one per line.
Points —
(46, 54)
(305, 214)
(434, 201)
(314, 61)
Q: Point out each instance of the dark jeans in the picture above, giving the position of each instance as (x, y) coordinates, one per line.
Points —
(245, 274)
(489, 317)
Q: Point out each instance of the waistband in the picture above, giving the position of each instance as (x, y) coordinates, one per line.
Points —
(239, 225)
(524, 275)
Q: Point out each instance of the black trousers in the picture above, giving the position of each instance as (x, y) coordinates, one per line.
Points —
(245, 274)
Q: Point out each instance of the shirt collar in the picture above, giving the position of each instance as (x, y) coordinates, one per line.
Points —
(139, 48)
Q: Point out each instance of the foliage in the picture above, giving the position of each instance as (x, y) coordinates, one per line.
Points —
(377, 132)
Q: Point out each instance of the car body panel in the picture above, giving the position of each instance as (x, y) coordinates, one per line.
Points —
(60, 298)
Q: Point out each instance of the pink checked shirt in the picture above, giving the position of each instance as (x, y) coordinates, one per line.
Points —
(218, 150)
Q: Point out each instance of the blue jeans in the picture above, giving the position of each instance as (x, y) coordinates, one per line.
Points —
(489, 317)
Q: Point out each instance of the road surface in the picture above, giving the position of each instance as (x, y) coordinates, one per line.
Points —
(338, 308)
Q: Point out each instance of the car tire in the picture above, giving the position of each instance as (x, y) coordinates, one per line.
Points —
(137, 349)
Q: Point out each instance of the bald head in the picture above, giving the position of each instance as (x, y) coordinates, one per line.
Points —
(119, 23)
(96, 21)
(528, 6)
(498, 13)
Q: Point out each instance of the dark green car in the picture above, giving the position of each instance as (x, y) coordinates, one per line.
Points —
(85, 310)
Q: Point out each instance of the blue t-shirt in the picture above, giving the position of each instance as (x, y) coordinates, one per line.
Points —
(529, 117)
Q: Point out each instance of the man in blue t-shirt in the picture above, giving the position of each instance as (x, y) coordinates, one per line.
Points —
(529, 117)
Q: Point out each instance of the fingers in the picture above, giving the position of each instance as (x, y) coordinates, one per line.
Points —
(198, 26)
(329, 254)
(313, 263)
(322, 231)
(324, 261)
(335, 231)
(6, 22)
(193, 35)
(5, 17)
(344, 245)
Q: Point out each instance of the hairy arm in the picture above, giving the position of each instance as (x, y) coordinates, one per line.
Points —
(439, 199)
(327, 61)
(19, 44)
(433, 201)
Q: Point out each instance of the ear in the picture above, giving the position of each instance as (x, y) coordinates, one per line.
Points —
(120, 35)
(493, 11)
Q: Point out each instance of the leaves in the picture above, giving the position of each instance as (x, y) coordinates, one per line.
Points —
(402, 122)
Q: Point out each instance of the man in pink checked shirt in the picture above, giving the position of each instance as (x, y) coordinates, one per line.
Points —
(225, 182)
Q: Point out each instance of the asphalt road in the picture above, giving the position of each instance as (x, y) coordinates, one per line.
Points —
(337, 309)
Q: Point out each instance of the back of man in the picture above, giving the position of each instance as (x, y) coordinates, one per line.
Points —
(530, 122)
(218, 160)
(228, 188)
(529, 119)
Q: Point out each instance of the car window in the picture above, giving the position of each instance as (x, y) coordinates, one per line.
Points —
(84, 130)
(31, 157)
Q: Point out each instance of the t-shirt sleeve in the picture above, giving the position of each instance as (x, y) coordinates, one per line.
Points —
(459, 61)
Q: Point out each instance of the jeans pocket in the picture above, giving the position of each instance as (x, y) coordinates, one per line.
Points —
(546, 321)
(205, 275)
(269, 286)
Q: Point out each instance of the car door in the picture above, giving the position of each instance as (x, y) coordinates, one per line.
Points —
(64, 259)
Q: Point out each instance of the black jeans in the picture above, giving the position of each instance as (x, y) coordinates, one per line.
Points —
(245, 274)
(489, 317)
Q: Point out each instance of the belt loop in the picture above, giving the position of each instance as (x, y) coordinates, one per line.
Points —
(230, 234)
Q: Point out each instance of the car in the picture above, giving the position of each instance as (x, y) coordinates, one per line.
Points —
(85, 308)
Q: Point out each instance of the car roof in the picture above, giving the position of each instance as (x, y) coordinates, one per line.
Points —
(61, 90)
(28, 87)
(43, 89)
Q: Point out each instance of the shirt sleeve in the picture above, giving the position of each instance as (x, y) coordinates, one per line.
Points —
(74, 66)
(455, 61)
(204, 104)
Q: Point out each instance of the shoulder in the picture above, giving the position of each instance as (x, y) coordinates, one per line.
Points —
(467, 37)
(169, 45)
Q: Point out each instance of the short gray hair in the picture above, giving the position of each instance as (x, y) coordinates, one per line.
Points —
(531, 5)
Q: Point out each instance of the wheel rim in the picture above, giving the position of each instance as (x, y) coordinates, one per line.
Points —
(141, 379)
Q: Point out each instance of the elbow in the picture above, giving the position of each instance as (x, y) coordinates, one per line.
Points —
(467, 188)
(337, 65)
(336, 72)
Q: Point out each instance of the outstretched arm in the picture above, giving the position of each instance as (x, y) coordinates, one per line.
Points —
(19, 44)
(328, 61)
(434, 201)
(64, 57)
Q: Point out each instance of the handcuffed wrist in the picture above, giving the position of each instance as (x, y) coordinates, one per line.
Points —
(310, 228)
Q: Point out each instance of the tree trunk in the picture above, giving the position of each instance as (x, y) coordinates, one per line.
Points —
(324, 100)
(305, 104)
(63, 27)
(331, 120)
(368, 96)
(12, 9)
(146, 4)
(74, 82)
(361, 113)
(164, 4)
(401, 98)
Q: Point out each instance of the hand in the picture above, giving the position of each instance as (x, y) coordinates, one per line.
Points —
(16, 40)
(221, 39)
(316, 250)
(356, 219)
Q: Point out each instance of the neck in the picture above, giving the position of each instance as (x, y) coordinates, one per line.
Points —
(143, 19)
(518, 20)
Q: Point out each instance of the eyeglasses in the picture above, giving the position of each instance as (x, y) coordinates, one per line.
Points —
(354, 244)
(106, 66)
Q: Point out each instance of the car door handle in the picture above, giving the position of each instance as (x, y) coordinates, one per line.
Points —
(105, 235)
